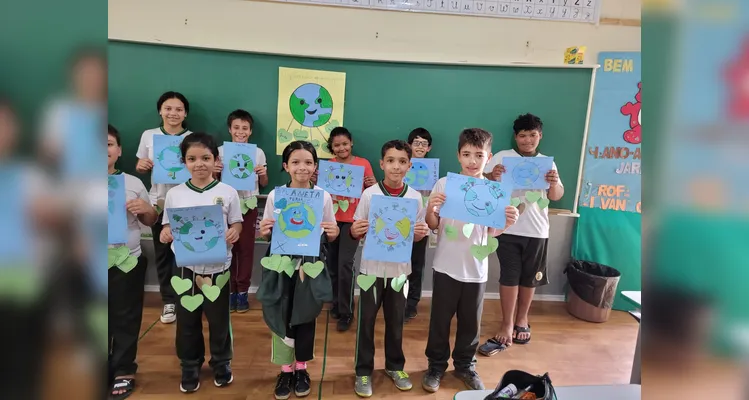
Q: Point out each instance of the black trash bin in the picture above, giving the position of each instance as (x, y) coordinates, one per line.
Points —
(592, 290)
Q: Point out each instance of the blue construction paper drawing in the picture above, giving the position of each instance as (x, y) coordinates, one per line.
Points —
(476, 200)
(167, 160)
(199, 235)
(14, 246)
(391, 229)
(424, 173)
(239, 165)
(298, 214)
(117, 220)
(341, 179)
(527, 172)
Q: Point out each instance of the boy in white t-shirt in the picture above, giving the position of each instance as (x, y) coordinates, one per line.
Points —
(395, 162)
(240, 124)
(522, 249)
(459, 279)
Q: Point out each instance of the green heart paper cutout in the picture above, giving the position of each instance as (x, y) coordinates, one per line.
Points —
(287, 265)
(111, 258)
(335, 208)
(313, 269)
(222, 279)
(191, 303)
(128, 264)
(158, 209)
(272, 263)
(251, 202)
(515, 201)
(450, 232)
(243, 207)
(343, 204)
(532, 196)
(211, 292)
(543, 203)
(480, 252)
(365, 281)
(283, 135)
(492, 243)
(467, 230)
(398, 282)
(180, 285)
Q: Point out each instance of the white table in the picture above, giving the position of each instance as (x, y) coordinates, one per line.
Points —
(636, 298)
(612, 392)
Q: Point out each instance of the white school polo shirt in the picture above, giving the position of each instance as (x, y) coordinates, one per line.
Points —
(259, 160)
(187, 195)
(380, 268)
(145, 150)
(533, 222)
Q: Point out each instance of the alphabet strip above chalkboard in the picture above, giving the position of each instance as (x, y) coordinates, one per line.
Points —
(586, 11)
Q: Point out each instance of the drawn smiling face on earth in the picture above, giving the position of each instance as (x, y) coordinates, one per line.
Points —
(199, 236)
(297, 219)
(240, 166)
(417, 175)
(169, 158)
(525, 173)
(392, 227)
(481, 198)
(339, 180)
(311, 105)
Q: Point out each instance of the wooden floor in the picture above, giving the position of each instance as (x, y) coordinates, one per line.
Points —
(572, 351)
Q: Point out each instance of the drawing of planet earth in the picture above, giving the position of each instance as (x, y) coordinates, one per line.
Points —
(311, 105)
(525, 173)
(482, 198)
(417, 175)
(339, 180)
(297, 220)
(199, 236)
(392, 227)
(112, 183)
(170, 160)
(241, 166)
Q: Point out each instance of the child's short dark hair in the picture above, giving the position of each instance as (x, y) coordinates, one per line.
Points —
(338, 131)
(112, 131)
(173, 95)
(198, 139)
(527, 122)
(240, 114)
(419, 132)
(475, 137)
(297, 145)
(398, 145)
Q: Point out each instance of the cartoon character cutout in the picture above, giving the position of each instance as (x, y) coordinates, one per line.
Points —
(340, 179)
(297, 219)
(417, 175)
(634, 135)
(241, 166)
(199, 235)
(482, 196)
(171, 160)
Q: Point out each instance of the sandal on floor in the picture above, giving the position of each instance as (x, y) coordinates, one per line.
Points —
(520, 329)
(491, 347)
(128, 385)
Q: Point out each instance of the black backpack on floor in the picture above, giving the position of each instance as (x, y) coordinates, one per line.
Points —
(540, 385)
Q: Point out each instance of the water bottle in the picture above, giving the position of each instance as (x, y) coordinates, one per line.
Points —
(508, 391)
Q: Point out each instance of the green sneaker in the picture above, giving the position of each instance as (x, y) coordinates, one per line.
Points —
(363, 386)
(401, 379)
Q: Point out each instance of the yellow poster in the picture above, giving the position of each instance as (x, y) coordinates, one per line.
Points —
(310, 105)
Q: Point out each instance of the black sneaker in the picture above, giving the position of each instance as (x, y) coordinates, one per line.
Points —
(190, 381)
(344, 323)
(470, 378)
(301, 383)
(334, 312)
(222, 376)
(411, 312)
(283, 385)
(431, 380)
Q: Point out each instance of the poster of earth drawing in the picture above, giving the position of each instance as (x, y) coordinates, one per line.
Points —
(477, 201)
(528, 172)
(310, 105)
(199, 235)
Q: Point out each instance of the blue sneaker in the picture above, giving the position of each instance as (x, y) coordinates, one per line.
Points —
(232, 302)
(243, 302)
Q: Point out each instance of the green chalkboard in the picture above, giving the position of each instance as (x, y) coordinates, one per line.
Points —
(384, 101)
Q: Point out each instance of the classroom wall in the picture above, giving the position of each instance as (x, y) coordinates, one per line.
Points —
(342, 32)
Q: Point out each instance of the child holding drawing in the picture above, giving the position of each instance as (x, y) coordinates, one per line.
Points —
(395, 162)
(297, 347)
(199, 153)
(240, 124)
(343, 250)
(459, 278)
